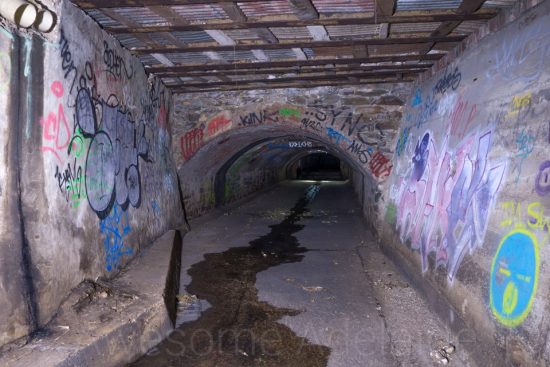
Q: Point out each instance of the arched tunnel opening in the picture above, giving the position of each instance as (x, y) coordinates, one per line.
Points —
(270, 160)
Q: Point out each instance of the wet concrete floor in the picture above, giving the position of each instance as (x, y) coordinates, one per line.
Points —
(297, 294)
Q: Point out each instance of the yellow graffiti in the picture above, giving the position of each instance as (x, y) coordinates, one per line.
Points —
(510, 299)
(514, 216)
(510, 303)
(520, 103)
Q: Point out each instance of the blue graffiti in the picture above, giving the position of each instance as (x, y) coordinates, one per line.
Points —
(420, 158)
(402, 141)
(525, 143)
(115, 227)
(417, 99)
(333, 134)
(426, 110)
(514, 275)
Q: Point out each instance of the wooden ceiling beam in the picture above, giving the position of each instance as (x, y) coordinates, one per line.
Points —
(301, 44)
(96, 4)
(359, 75)
(303, 9)
(424, 17)
(296, 70)
(445, 28)
(233, 12)
(291, 63)
(294, 85)
(236, 14)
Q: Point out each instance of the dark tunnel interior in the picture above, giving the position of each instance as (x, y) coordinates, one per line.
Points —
(319, 166)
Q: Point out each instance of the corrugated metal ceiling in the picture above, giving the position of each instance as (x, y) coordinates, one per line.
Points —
(188, 26)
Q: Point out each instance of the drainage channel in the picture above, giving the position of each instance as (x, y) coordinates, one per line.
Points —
(238, 329)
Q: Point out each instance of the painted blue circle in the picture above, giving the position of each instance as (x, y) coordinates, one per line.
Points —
(514, 278)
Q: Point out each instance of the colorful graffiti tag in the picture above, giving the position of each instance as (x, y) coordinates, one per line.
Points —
(514, 277)
(444, 204)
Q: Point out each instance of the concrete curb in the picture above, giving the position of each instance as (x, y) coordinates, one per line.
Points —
(111, 323)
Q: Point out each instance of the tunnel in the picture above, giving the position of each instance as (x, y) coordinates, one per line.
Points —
(286, 183)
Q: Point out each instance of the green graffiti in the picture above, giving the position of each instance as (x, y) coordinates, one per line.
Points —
(289, 112)
(391, 214)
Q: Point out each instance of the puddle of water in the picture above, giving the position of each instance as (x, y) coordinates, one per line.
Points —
(238, 329)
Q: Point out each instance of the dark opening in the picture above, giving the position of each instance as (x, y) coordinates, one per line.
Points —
(318, 166)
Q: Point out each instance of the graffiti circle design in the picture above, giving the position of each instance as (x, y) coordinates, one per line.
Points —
(514, 277)
(100, 173)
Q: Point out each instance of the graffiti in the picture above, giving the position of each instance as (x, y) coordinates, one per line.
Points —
(542, 182)
(525, 143)
(462, 116)
(259, 118)
(402, 141)
(336, 136)
(112, 167)
(446, 104)
(70, 183)
(116, 66)
(300, 144)
(379, 165)
(67, 62)
(115, 228)
(420, 158)
(426, 110)
(520, 103)
(312, 124)
(523, 55)
(55, 128)
(218, 124)
(352, 124)
(361, 151)
(191, 142)
(534, 219)
(448, 80)
(514, 277)
(446, 210)
(316, 119)
(391, 214)
(290, 113)
(417, 99)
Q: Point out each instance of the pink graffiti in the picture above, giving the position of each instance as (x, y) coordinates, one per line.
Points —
(445, 211)
(55, 128)
(462, 116)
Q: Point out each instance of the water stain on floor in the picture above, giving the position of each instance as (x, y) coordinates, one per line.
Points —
(239, 330)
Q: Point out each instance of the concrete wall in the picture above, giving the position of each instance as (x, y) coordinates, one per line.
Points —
(86, 134)
(467, 205)
(357, 124)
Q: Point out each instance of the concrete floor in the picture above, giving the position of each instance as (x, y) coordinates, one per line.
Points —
(346, 295)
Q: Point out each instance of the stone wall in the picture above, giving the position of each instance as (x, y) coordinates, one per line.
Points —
(356, 124)
(86, 176)
(468, 201)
